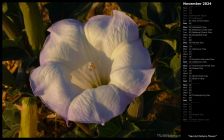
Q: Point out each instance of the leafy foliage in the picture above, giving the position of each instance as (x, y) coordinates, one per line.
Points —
(156, 112)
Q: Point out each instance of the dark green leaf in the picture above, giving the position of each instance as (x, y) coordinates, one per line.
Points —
(70, 10)
(143, 124)
(155, 10)
(12, 43)
(151, 30)
(143, 10)
(11, 133)
(171, 42)
(135, 109)
(110, 129)
(167, 38)
(81, 12)
(14, 53)
(4, 124)
(9, 27)
(69, 134)
(157, 7)
(175, 64)
(173, 25)
(79, 133)
(146, 40)
(148, 101)
(147, 33)
(34, 26)
(7, 78)
(165, 75)
(129, 130)
(11, 115)
(165, 127)
(131, 7)
(4, 7)
(162, 51)
(20, 77)
(156, 128)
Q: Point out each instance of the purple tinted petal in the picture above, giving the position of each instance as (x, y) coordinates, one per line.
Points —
(133, 81)
(66, 43)
(98, 105)
(51, 83)
(131, 69)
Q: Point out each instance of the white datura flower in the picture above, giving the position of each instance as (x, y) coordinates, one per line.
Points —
(90, 73)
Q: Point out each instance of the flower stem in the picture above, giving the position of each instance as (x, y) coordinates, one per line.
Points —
(29, 118)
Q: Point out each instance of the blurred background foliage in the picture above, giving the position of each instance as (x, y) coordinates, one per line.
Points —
(155, 113)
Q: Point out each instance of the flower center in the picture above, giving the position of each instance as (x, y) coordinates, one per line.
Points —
(92, 75)
(95, 76)
(91, 66)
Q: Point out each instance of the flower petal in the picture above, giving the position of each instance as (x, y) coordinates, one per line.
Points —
(131, 69)
(51, 83)
(133, 81)
(107, 32)
(98, 105)
(66, 43)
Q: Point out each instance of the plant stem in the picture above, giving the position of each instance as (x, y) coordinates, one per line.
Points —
(29, 118)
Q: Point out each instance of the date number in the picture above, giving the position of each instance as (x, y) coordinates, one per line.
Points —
(206, 3)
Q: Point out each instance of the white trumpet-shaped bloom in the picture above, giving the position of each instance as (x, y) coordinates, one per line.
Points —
(90, 73)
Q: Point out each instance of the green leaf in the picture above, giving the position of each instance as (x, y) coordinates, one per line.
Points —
(135, 109)
(4, 124)
(70, 10)
(165, 75)
(149, 10)
(144, 10)
(172, 25)
(175, 64)
(158, 7)
(81, 12)
(127, 132)
(11, 133)
(79, 133)
(162, 52)
(11, 115)
(131, 7)
(7, 78)
(155, 10)
(167, 39)
(171, 42)
(151, 30)
(8, 43)
(152, 129)
(146, 40)
(12, 43)
(69, 134)
(9, 27)
(148, 101)
(148, 32)
(20, 77)
(110, 129)
(14, 53)
(34, 26)
(4, 7)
